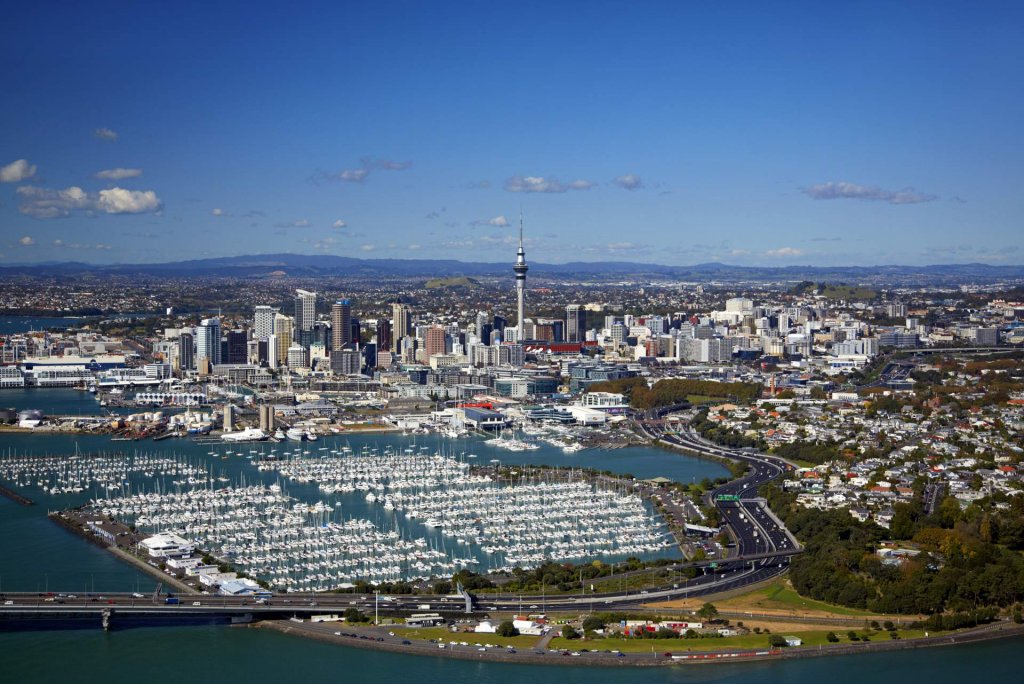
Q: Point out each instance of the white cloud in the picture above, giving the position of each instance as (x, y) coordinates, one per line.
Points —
(302, 223)
(546, 185)
(385, 164)
(217, 211)
(496, 222)
(26, 241)
(119, 173)
(784, 252)
(413, 247)
(871, 193)
(17, 171)
(629, 181)
(353, 175)
(105, 134)
(368, 248)
(121, 201)
(44, 203)
(47, 203)
(339, 224)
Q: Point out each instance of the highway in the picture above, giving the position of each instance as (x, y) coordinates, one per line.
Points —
(763, 550)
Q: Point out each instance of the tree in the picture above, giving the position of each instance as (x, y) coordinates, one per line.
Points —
(831, 637)
(354, 615)
(592, 623)
(569, 633)
(708, 611)
(776, 641)
(507, 629)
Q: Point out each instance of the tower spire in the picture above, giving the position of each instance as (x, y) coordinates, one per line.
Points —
(520, 268)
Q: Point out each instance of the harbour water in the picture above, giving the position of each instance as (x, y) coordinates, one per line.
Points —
(20, 324)
(240, 654)
(39, 555)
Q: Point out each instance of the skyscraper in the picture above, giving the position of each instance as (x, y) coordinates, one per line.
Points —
(187, 351)
(341, 324)
(208, 340)
(384, 334)
(263, 322)
(283, 333)
(305, 310)
(575, 323)
(401, 318)
(520, 269)
(237, 349)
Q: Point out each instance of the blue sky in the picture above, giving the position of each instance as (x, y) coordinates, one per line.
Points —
(676, 133)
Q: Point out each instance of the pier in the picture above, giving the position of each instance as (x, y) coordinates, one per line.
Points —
(16, 497)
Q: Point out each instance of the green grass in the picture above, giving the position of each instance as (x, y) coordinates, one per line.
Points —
(443, 634)
(811, 638)
(786, 597)
(454, 281)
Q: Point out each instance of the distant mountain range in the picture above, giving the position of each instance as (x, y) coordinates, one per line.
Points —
(304, 265)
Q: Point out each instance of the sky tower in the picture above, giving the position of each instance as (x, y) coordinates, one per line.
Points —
(521, 268)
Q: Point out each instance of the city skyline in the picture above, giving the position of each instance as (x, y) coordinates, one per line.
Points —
(674, 135)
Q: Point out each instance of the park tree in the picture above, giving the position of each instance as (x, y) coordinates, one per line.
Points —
(507, 629)
(708, 611)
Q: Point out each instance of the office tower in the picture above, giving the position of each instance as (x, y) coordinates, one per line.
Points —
(341, 324)
(481, 320)
(263, 322)
(237, 346)
(435, 341)
(401, 319)
(499, 323)
(575, 323)
(383, 335)
(346, 361)
(357, 334)
(208, 341)
(273, 353)
(283, 333)
(520, 269)
(305, 310)
(297, 357)
(187, 351)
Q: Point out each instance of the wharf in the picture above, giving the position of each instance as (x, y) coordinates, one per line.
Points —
(16, 497)
(118, 539)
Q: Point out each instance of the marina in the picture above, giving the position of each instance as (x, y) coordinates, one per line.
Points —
(320, 492)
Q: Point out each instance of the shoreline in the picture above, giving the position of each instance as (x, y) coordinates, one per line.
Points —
(324, 632)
